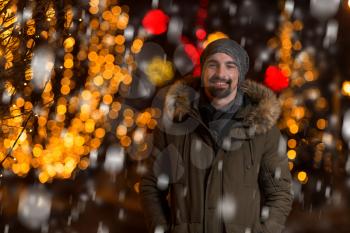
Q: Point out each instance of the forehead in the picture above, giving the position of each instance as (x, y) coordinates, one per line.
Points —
(220, 57)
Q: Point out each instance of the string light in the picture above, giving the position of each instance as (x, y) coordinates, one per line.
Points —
(64, 135)
(297, 64)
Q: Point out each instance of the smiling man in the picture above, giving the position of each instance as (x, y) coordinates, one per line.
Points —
(221, 171)
(220, 79)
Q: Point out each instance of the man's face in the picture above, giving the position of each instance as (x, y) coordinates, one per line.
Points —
(220, 76)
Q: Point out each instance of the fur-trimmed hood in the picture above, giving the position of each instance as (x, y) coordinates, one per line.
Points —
(257, 117)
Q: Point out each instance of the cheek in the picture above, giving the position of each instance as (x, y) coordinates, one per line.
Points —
(235, 77)
(207, 74)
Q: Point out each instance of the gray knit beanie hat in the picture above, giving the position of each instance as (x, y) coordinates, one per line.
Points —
(231, 48)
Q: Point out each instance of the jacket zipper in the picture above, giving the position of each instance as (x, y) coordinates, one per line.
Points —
(220, 221)
(251, 152)
(195, 116)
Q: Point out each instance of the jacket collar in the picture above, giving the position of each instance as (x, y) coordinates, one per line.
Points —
(255, 118)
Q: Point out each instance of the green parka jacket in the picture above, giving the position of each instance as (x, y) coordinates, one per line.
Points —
(245, 187)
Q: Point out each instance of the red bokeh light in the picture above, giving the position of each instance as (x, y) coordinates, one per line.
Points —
(155, 22)
(201, 34)
(275, 79)
(193, 53)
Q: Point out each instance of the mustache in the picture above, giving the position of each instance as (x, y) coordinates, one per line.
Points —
(218, 79)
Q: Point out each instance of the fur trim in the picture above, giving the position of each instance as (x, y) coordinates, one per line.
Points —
(180, 97)
(261, 116)
(267, 111)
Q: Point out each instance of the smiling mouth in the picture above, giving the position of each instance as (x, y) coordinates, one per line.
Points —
(220, 84)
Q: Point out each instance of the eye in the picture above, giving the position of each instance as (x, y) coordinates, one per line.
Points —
(211, 65)
(231, 66)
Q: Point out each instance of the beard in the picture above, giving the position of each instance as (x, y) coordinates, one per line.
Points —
(219, 91)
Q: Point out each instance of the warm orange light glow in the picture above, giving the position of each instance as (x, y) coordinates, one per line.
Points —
(123, 21)
(151, 124)
(298, 112)
(37, 150)
(214, 36)
(137, 187)
(69, 42)
(290, 122)
(309, 76)
(121, 130)
(93, 10)
(119, 39)
(292, 154)
(20, 102)
(89, 126)
(302, 177)
(321, 124)
(92, 56)
(292, 143)
(128, 113)
(68, 63)
(107, 99)
(125, 141)
(65, 89)
(137, 44)
(61, 109)
(100, 133)
(98, 80)
(43, 177)
(346, 86)
(70, 117)
(128, 121)
(294, 128)
(84, 163)
(290, 165)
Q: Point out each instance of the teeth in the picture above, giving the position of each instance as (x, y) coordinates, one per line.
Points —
(220, 83)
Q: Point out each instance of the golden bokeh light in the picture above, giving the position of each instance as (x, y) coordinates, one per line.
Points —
(321, 124)
(119, 39)
(294, 129)
(69, 42)
(292, 154)
(121, 131)
(74, 112)
(213, 37)
(292, 143)
(159, 71)
(302, 177)
(125, 141)
(346, 88)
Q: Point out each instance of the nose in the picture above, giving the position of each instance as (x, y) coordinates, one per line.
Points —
(220, 71)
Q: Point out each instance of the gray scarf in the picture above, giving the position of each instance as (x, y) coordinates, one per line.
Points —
(219, 120)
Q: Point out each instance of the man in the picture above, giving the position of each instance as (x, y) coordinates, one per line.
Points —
(215, 165)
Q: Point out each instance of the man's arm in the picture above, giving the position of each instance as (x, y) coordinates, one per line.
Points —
(275, 184)
(153, 199)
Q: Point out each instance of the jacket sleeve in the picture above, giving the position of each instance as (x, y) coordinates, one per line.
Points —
(275, 184)
(153, 199)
